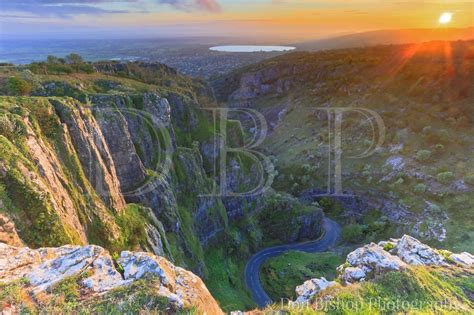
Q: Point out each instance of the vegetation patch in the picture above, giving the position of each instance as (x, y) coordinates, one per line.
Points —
(281, 275)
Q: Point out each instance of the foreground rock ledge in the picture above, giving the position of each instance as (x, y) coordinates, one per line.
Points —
(46, 267)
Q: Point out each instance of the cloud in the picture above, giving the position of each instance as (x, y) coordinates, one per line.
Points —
(59, 8)
(68, 8)
(191, 5)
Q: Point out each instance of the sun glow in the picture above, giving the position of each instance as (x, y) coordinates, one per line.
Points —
(445, 18)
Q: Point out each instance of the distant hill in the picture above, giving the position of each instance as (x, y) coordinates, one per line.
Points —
(384, 37)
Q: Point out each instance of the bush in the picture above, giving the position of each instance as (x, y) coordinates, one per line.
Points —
(420, 188)
(435, 208)
(423, 155)
(388, 247)
(7, 128)
(439, 148)
(445, 177)
(17, 86)
(353, 233)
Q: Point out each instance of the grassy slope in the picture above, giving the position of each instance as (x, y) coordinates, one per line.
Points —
(225, 280)
(419, 290)
(281, 275)
(65, 298)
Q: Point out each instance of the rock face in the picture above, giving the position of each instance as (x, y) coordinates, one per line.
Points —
(93, 152)
(372, 260)
(128, 165)
(52, 180)
(96, 272)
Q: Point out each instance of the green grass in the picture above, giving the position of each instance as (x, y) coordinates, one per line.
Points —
(225, 280)
(141, 297)
(421, 289)
(418, 290)
(281, 275)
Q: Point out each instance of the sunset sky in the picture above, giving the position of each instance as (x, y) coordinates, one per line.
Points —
(276, 19)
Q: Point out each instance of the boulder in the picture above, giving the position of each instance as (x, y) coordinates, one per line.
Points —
(353, 274)
(312, 287)
(371, 260)
(413, 252)
(464, 259)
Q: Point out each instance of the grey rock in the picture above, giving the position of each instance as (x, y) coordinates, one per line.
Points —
(413, 252)
(463, 259)
(312, 287)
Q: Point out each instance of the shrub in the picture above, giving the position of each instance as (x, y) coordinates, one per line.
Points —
(445, 177)
(6, 126)
(435, 208)
(423, 155)
(17, 86)
(439, 147)
(420, 188)
(389, 246)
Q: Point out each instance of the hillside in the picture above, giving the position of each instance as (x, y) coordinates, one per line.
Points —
(419, 180)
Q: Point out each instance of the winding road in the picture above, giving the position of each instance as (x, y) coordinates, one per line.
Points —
(332, 231)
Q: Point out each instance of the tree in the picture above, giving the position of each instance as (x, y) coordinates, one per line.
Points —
(75, 60)
(52, 59)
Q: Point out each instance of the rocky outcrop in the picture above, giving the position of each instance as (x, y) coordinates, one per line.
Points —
(413, 252)
(95, 271)
(373, 260)
(144, 138)
(48, 193)
(312, 287)
(368, 262)
(396, 254)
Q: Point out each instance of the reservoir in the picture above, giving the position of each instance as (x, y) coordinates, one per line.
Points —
(251, 48)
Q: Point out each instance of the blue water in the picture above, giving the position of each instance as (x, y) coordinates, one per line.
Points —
(250, 48)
